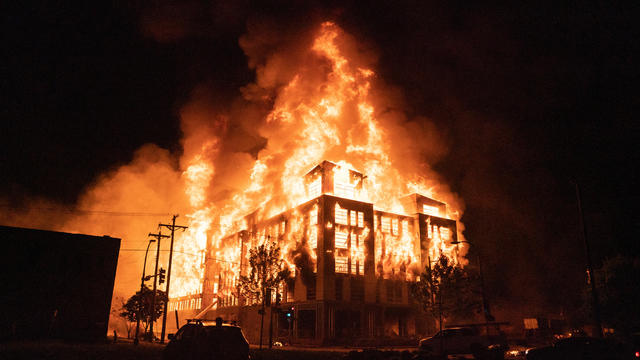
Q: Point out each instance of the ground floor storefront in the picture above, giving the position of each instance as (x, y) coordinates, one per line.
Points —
(327, 322)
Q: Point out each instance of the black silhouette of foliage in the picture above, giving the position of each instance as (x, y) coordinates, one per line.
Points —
(268, 270)
(141, 301)
(447, 288)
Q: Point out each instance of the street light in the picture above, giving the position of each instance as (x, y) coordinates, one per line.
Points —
(485, 304)
(144, 268)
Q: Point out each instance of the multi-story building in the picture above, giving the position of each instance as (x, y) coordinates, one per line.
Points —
(353, 265)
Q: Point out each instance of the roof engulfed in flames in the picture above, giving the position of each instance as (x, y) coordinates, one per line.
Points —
(329, 109)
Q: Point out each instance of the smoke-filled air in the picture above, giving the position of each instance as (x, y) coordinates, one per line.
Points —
(316, 96)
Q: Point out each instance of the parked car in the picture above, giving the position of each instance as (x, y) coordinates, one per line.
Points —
(461, 340)
(581, 348)
(207, 340)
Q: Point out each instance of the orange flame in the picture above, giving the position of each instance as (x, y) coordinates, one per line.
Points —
(323, 112)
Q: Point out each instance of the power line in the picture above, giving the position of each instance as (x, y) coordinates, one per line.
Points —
(185, 253)
(81, 211)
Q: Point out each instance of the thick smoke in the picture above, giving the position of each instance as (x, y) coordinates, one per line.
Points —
(252, 153)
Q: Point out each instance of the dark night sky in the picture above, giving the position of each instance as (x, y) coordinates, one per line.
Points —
(528, 98)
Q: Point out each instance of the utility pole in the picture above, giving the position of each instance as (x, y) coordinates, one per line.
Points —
(173, 228)
(590, 272)
(142, 280)
(159, 237)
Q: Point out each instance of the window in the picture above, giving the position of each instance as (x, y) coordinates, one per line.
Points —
(444, 233)
(313, 237)
(430, 210)
(341, 215)
(405, 227)
(357, 290)
(429, 231)
(313, 216)
(315, 187)
(360, 219)
(341, 240)
(352, 218)
(342, 264)
(394, 226)
(386, 224)
(344, 189)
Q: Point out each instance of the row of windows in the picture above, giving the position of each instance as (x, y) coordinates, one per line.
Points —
(342, 265)
(430, 210)
(438, 232)
(389, 225)
(344, 189)
(187, 304)
(272, 232)
(349, 217)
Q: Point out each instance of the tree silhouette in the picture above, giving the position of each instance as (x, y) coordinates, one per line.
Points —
(140, 302)
(446, 290)
(268, 270)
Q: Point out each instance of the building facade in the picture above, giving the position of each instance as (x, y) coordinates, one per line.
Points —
(353, 266)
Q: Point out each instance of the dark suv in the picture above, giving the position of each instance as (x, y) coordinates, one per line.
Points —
(207, 340)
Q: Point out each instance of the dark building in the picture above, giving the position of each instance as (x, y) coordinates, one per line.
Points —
(55, 285)
(353, 265)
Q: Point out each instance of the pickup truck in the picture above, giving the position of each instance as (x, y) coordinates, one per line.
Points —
(460, 340)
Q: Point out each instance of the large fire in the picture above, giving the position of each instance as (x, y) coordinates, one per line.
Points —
(325, 111)
(319, 100)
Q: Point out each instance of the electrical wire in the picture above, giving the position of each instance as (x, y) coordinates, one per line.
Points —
(87, 212)
(185, 253)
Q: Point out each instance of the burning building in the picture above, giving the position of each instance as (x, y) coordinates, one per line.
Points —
(352, 263)
(354, 233)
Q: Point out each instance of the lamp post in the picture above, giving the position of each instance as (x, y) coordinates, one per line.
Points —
(144, 268)
(485, 304)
